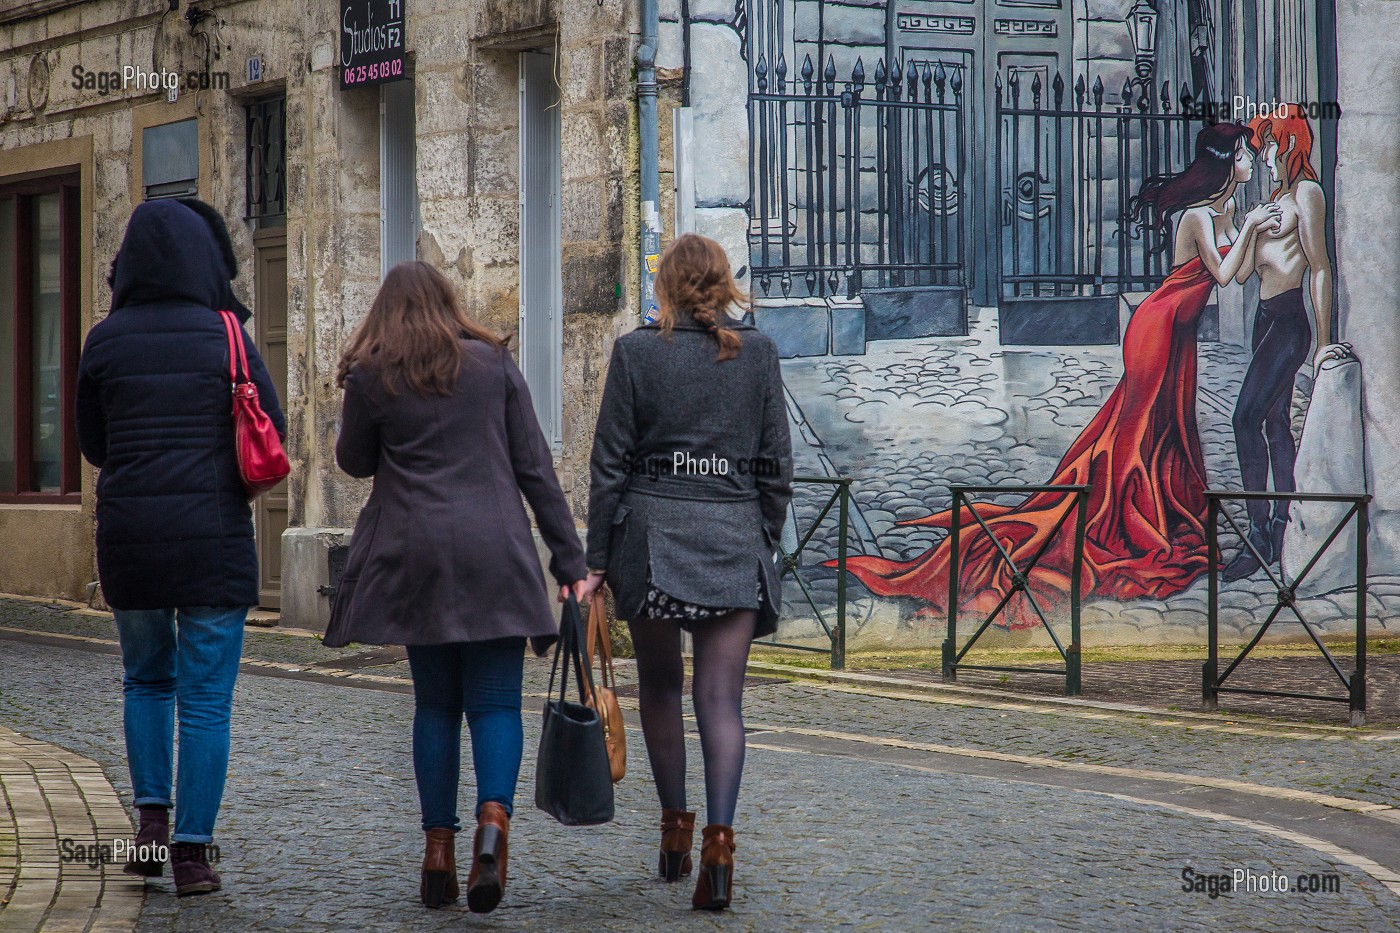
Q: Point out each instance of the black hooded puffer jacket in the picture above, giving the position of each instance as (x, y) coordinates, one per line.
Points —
(174, 526)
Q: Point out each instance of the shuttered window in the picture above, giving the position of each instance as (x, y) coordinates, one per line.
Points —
(170, 160)
(541, 287)
(398, 179)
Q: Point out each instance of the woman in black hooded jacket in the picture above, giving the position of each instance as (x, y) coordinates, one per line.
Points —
(175, 547)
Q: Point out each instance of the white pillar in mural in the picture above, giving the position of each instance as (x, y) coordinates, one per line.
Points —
(1368, 246)
(719, 89)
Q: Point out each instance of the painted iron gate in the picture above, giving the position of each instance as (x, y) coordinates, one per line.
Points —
(857, 184)
(1069, 162)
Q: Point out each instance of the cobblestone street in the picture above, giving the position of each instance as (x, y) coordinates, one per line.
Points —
(859, 811)
(1002, 415)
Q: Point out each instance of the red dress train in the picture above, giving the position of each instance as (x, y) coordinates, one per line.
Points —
(1141, 454)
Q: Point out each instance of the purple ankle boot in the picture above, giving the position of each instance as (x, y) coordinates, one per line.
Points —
(190, 864)
(150, 847)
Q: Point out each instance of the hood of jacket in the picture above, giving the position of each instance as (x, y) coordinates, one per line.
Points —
(169, 254)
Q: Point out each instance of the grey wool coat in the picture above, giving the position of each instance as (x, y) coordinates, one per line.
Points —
(442, 551)
(691, 471)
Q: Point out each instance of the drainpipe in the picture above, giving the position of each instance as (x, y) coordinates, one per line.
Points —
(650, 182)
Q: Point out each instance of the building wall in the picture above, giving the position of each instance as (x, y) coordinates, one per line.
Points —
(42, 105)
(879, 394)
(464, 56)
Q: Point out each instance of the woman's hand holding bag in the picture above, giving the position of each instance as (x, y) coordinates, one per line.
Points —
(573, 779)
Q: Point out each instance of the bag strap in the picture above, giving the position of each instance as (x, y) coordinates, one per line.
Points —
(599, 642)
(570, 649)
(237, 355)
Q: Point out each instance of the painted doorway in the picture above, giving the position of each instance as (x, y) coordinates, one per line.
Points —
(912, 198)
(977, 41)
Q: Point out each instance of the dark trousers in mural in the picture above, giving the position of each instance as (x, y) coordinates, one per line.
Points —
(1262, 419)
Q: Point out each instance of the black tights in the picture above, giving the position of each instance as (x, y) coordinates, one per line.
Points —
(721, 657)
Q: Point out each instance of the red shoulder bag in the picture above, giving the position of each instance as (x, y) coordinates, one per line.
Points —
(262, 463)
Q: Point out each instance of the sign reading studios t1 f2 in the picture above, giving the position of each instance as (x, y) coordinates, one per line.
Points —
(371, 42)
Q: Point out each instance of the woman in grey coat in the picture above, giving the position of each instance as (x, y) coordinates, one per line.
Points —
(691, 478)
(442, 559)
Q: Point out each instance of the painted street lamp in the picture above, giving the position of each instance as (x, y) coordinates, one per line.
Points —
(1142, 26)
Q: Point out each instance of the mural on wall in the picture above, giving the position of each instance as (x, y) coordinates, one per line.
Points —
(1084, 241)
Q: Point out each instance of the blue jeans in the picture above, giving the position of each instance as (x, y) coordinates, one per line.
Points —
(481, 679)
(194, 664)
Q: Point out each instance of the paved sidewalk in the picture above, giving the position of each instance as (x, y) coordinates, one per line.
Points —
(51, 802)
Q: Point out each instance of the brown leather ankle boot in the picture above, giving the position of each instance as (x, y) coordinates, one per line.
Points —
(714, 887)
(152, 843)
(439, 881)
(677, 838)
(487, 881)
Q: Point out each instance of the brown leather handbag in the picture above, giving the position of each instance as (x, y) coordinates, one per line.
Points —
(602, 698)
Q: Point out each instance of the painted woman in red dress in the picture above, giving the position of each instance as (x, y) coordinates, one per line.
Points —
(1141, 453)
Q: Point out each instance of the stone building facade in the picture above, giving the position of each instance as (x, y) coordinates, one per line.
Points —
(917, 375)
(294, 162)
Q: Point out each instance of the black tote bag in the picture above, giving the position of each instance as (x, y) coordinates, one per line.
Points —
(573, 780)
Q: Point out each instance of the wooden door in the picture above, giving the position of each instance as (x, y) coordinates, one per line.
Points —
(270, 319)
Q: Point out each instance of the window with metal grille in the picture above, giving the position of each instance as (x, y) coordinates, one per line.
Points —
(266, 189)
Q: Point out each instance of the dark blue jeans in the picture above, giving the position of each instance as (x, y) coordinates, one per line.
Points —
(480, 679)
(186, 657)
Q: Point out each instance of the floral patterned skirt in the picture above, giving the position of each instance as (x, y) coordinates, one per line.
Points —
(661, 605)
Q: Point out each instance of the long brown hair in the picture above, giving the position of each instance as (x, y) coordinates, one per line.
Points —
(694, 276)
(411, 333)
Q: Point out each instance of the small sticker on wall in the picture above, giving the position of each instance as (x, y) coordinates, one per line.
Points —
(653, 262)
(650, 316)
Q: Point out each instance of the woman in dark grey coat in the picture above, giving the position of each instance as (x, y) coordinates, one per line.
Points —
(442, 559)
(691, 477)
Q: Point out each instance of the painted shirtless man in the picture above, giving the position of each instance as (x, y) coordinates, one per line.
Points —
(1283, 335)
